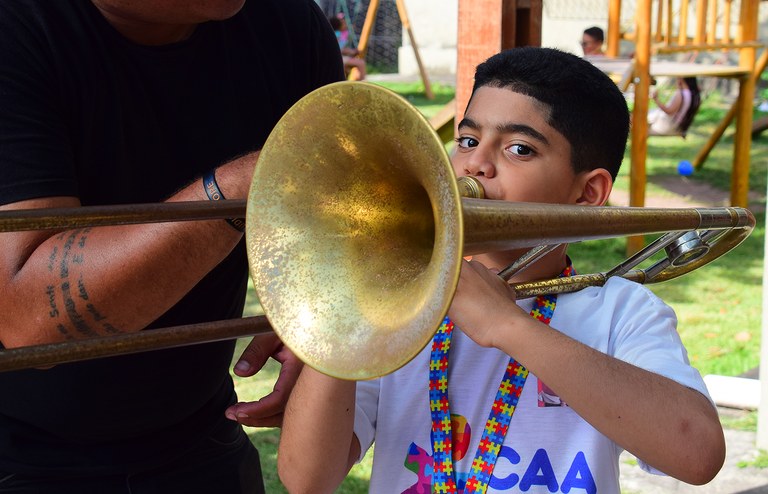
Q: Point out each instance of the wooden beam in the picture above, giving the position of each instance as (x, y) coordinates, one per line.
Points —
(405, 21)
(639, 131)
(703, 153)
(478, 37)
(614, 28)
(742, 142)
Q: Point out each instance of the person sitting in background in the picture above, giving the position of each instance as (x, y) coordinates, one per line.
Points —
(675, 116)
(592, 42)
(349, 55)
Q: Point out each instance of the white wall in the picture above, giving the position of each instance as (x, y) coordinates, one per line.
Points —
(434, 25)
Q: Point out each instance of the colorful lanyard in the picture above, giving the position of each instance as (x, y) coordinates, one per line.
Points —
(443, 477)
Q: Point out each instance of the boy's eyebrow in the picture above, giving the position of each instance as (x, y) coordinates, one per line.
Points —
(507, 128)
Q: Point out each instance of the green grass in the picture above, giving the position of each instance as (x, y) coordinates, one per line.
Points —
(718, 306)
(760, 461)
(414, 93)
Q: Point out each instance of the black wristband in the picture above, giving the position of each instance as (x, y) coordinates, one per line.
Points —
(214, 194)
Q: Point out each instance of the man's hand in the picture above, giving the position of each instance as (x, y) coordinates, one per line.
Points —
(268, 411)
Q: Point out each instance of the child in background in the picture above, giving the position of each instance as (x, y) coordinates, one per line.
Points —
(592, 42)
(473, 411)
(676, 115)
(349, 55)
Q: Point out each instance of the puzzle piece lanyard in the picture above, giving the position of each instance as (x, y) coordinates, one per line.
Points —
(443, 477)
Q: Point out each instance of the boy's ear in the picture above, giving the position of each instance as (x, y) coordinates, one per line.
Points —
(596, 186)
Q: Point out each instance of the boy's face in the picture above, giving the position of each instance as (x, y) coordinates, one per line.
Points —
(505, 142)
(590, 45)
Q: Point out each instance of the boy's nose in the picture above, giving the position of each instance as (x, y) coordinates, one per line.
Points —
(480, 164)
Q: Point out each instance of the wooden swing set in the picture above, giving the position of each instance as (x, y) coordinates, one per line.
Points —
(661, 27)
(365, 36)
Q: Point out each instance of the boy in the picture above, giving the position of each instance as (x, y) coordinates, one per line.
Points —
(592, 42)
(608, 373)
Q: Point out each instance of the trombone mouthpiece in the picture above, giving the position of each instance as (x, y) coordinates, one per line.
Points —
(470, 187)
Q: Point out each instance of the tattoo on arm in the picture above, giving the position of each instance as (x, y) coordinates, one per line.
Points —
(52, 258)
(49, 290)
(72, 253)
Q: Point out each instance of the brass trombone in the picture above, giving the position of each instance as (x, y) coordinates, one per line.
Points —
(356, 227)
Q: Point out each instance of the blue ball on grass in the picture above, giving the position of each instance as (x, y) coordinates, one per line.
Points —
(685, 168)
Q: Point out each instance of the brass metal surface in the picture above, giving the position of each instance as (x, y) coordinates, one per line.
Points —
(354, 240)
(156, 339)
(120, 214)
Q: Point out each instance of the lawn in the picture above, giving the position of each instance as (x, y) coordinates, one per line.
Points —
(718, 306)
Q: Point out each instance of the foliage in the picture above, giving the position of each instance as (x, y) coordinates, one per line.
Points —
(760, 461)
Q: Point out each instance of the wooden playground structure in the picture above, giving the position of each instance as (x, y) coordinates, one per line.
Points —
(662, 29)
(663, 33)
(659, 30)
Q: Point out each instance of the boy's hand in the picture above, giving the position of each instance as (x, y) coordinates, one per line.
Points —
(482, 299)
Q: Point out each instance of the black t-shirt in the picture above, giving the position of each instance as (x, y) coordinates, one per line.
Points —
(84, 112)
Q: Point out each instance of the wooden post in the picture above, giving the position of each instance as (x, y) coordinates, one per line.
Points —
(743, 139)
(479, 37)
(407, 26)
(727, 21)
(682, 35)
(639, 133)
(658, 35)
(370, 20)
(701, 22)
(487, 27)
(712, 29)
(614, 28)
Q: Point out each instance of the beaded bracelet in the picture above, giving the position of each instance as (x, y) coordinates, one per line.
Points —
(214, 194)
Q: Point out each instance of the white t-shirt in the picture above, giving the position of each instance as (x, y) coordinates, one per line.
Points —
(548, 448)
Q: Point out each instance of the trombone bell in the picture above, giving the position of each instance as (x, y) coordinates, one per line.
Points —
(354, 251)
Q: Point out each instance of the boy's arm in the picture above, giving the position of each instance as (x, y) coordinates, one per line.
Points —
(317, 444)
(667, 425)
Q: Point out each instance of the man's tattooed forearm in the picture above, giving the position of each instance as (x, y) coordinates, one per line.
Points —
(81, 243)
(49, 290)
(52, 258)
(64, 332)
(81, 291)
(71, 257)
(74, 316)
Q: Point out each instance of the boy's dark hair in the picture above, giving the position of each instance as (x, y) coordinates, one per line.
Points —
(583, 103)
(595, 33)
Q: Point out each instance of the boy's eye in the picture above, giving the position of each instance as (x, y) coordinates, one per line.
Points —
(466, 142)
(520, 150)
